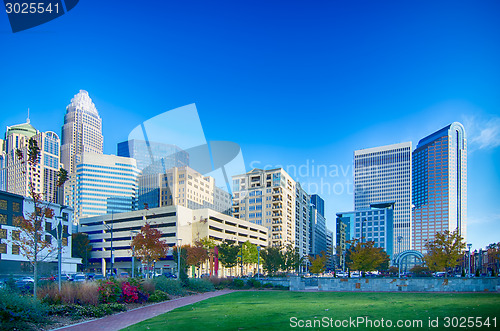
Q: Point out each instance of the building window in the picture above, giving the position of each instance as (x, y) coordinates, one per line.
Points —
(16, 207)
(3, 248)
(16, 235)
(3, 204)
(15, 249)
(3, 234)
(3, 219)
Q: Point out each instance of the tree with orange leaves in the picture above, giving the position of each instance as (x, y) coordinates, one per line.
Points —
(148, 246)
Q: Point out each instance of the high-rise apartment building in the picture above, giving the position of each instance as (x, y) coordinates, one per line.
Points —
(440, 184)
(302, 221)
(267, 197)
(102, 184)
(182, 187)
(81, 132)
(16, 175)
(384, 174)
(157, 156)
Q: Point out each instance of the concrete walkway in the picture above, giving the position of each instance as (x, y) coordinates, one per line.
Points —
(131, 317)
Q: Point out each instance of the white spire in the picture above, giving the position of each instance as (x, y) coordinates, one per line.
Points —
(28, 119)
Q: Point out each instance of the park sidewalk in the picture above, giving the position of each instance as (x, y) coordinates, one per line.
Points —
(128, 318)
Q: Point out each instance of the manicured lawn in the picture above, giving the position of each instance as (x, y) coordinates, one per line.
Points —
(272, 310)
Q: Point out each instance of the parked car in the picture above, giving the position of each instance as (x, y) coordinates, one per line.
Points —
(355, 274)
(123, 275)
(205, 276)
(342, 274)
(258, 276)
(79, 278)
(439, 274)
(170, 275)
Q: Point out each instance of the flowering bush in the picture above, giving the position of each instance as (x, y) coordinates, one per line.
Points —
(130, 293)
(109, 292)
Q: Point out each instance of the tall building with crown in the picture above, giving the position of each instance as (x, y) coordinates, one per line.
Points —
(16, 175)
(81, 132)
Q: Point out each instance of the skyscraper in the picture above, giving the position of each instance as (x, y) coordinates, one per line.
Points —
(318, 226)
(102, 184)
(16, 175)
(383, 174)
(81, 132)
(440, 184)
(153, 155)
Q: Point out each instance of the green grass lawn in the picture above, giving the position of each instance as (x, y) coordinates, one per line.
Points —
(273, 310)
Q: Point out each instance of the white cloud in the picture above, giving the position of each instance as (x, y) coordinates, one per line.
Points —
(482, 133)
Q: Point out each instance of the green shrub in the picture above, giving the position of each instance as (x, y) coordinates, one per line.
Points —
(238, 283)
(267, 285)
(170, 286)
(254, 283)
(78, 311)
(158, 296)
(200, 285)
(16, 311)
(221, 283)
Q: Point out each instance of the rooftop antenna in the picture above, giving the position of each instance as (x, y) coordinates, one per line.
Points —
(28, 119)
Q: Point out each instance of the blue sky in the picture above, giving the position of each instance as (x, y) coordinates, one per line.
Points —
(296, 83)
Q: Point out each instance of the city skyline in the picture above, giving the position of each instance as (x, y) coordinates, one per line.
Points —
(306, 86)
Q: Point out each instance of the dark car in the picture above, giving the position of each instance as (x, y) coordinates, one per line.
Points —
(170, 275)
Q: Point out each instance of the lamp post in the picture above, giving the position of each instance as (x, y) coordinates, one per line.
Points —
(400, 238)
(469, 247)
(132, 232)
(258, 262)
(110, 228)
(179, 249)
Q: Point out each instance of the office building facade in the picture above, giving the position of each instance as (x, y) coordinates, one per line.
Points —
(440, 185)
(318, 226)
(12, 257)
(385, 174)
(102, 184)
(345, 229)
(182, 187)
(157, 156)
(302, 221)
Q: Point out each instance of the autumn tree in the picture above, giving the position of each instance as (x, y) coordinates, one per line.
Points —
(196, 255)
(494, 254)
(32, 238)
(318, 263)
(364, 256)
(80, 247)
(228, 254)
(272, 259)
(148, 246)
(444, 251)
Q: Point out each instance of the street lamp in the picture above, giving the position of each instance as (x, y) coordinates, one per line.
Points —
(400, 238)
(132, 232)
(179, 241)
(258, 262)
(110, 228)
(469, 246)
